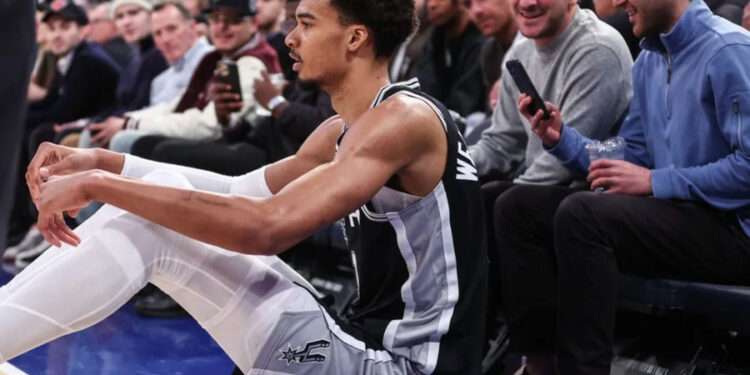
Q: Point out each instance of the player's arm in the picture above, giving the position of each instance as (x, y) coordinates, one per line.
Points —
(375, 149)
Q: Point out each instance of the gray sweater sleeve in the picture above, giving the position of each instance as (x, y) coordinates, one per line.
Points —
(501, 148)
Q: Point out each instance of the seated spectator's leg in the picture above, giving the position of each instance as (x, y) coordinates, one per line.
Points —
(216, 156)
(238, 299)
(523, 229)
(144, 146)
(490, 192)
(123, 141)
(599, 235)
(85, 140)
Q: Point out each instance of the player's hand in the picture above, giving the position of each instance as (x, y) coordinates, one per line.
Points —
(226, 102)
(55, 160)
(620, 177)
(103, 132)
(548, 130)
(58, 195)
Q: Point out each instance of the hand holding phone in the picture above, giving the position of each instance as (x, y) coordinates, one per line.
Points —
(516, 70)
(227, 73)
(227, 92)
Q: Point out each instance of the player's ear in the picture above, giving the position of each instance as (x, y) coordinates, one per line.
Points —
(358, 37)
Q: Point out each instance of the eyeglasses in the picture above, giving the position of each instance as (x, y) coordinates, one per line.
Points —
(231, 19)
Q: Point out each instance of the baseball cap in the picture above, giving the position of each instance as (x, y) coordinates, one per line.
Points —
(68, 10)
(245, 7)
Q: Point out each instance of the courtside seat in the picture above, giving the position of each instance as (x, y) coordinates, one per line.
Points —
(723, 306)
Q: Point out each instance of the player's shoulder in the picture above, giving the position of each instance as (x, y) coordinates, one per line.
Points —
(406, 114)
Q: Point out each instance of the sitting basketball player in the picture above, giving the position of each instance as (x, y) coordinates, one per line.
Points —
(393, 166)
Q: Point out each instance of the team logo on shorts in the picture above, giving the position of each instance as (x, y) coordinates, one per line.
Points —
(304, 354)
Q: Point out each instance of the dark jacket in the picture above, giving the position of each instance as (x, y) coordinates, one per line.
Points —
(282, 137)
(119, 50)
(449, 70)
(134, 90)
(87, 89)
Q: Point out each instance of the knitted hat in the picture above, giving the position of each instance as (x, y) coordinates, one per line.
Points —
(145, 4)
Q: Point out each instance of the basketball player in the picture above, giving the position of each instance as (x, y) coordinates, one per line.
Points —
(392, 166)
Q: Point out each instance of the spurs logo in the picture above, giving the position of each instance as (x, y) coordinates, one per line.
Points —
(304, 354)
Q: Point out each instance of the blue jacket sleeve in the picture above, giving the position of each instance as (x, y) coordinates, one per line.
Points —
(724, 183)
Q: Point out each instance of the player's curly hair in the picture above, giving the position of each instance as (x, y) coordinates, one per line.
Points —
(391, 21)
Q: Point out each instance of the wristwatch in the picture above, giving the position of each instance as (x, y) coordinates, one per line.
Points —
(275, 102)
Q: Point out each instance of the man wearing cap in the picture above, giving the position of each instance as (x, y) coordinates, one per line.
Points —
(206, 107)
(87, 76)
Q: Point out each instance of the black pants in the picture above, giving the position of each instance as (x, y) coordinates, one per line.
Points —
(220, 156)
(561, 251)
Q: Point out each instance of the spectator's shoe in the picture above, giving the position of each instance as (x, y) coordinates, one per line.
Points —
(25, 258)
(32, 239)
(159, 305)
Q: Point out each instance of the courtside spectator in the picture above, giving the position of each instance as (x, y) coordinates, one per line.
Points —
(201, 113)
(678, 206)
(404, 63)
(449, 68)
(573, 58)
(746, 17)
(45, 65)
(495, 19)
(176, 36)
(103, 32)
(270, 17)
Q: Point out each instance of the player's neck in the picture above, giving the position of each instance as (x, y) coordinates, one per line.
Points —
(357, 91)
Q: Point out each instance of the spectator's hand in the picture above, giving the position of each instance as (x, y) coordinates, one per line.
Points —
(265, 89)
(620, 177)
(494, 95)
(36, 92)
(55, 160)
(226, 102)
(58, 195)
(548, 130)
(102, 132)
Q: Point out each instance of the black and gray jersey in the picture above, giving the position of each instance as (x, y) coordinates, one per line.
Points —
(421, 262)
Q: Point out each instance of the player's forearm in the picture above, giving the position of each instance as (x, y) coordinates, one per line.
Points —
(231, 222)
(109, 161)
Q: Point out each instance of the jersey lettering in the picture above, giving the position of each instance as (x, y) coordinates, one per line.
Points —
(465, 166)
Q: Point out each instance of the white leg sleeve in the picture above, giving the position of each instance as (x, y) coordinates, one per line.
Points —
(237, 298)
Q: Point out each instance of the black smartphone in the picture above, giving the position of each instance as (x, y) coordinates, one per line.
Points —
(226, 72)
(525, 86)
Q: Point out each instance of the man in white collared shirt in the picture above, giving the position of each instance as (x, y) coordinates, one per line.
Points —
(176, 37)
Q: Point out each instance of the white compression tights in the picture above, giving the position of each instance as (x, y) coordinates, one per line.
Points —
(236, 298)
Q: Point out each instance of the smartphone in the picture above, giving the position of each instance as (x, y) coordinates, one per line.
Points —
(226, 72)
(525, 86)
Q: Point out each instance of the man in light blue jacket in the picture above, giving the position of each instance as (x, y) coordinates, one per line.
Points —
(678, 206)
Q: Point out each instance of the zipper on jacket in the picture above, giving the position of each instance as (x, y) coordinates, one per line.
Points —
(739, 124)
(666, 91)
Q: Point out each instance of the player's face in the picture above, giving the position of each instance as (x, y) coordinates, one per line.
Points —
(318, 43)
(542, 20)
